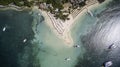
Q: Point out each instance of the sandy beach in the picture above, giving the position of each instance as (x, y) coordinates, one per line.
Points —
(64, 32)
(65, 35)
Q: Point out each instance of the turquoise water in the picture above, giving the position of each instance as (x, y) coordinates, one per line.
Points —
(45, 49)
(82, 26)
(52, 49)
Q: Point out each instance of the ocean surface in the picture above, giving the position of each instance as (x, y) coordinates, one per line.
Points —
(18, 27)
(44, 49)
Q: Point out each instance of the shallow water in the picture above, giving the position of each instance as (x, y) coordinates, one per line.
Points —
(53, 51)
(45, 49)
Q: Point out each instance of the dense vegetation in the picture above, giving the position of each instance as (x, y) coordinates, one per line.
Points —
(55, 3)
(100, 1)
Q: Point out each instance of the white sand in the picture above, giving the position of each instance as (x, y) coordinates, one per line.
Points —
(66, 35)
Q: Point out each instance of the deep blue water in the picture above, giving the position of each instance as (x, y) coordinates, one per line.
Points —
(18, 26)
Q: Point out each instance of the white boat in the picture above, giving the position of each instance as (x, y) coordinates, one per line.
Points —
(76, 46)
(90, 13)
(67, 59)
(4, 28)
(24, 40)
(108, 64)
(111, 46)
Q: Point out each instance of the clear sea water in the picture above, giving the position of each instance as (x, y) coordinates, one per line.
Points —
(18, 26)
(43, 48)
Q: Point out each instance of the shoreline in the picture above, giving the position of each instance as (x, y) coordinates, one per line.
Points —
(67, 25)
(14, 7)
(62, 29)
(83, 11)
(65, 36)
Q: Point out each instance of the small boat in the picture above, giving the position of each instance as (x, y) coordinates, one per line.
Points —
(111, 46)
(24, 40)
(67, 59)
(107, 64)
(4, 29)
(75, 46)
(90, 13)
